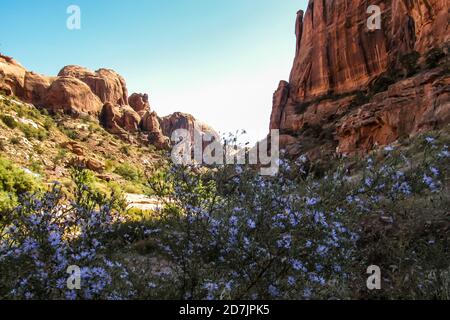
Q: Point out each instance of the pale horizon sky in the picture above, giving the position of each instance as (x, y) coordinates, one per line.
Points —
(221, 61)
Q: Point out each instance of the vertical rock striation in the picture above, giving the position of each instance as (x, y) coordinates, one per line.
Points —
(340, 66)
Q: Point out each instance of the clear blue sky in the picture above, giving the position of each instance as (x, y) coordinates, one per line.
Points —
(219, 60)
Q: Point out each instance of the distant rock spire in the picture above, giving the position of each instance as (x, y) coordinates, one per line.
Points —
(299, 28)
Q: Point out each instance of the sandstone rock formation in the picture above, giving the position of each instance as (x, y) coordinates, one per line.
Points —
(71, 96)
(12, 75)
(139, 102)
(179, 120)
(352, 88)
(410, 106)
(78, 91)
(36, 87)
(64, 93)
(108, 85)
(119, 119)
(150, 124)
(89, 163)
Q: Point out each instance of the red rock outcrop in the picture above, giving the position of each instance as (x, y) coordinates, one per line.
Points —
(107, 84)
(179, 120)
(409, 107)
(71, 96)
(77, 91)
(139, 102)
(12, 76)
(35, 89)
(119, 119)
(340, 65)
(150, 123)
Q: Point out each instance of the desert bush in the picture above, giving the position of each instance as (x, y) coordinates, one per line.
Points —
(60, 156)
(9, 121)
(126, 150)
(128, 172)
(13, 183)
(434, 57)
(44, 235)
(234, 234)
(228, 233)
(33, 133)
(410, 63)
(36, 166)
(14, 140)
(72, 134)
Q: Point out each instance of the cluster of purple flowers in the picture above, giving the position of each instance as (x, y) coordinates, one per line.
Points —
(43, 236)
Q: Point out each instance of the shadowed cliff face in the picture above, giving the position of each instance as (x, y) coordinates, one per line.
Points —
(339, 61)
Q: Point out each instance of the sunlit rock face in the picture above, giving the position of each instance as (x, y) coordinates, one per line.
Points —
(78, 91)
(354, 86)
(106, 84)
(179, 120)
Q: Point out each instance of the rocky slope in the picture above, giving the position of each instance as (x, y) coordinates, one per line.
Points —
(351, 88)
(102, 94)
(47, 146)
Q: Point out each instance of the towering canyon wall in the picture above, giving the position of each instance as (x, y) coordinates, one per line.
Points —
(352, 88)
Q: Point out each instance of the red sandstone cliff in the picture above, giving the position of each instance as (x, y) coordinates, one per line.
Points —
(351, 88)
(103, 93)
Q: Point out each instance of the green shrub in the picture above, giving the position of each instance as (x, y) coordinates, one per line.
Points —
(434, 57)
(15, 141)
(410, 63)
(72, 134)
(33, 133)
(14, 182)
(294, 237)
(382, 83)
(36, 167)
(9, 121)
(60, 156)
(126, 150)
(128, 172)
(45, 235)
(48, 124)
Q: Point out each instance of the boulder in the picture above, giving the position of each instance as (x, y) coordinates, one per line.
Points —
(130, 119)
(106, 84)
(119, 119)
(179, 120)
(74, 147)
(139, 102)
(71, 96)
(89, 163)
(12, 76)
(35, 88)
(150, 124)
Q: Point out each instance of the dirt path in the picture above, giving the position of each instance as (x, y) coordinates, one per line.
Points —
(143, 202)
